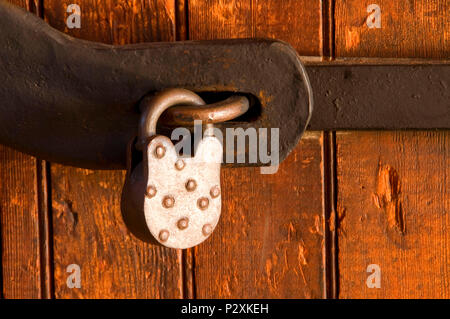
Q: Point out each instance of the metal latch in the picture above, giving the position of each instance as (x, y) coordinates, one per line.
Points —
(57, 89)
(80, 103)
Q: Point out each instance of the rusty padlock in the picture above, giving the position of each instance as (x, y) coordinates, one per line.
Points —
(175, 201)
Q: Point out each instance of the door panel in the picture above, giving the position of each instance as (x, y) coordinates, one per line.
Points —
(278, 236)
(394, 187)
(270, 240)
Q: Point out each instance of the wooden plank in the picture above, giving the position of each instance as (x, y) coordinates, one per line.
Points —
(409, 29)
(116, 22)
(88, 227)
(295, 21)
(19, 225)
(393, 187)
(19, 222)
(270, 239)
(394, 208)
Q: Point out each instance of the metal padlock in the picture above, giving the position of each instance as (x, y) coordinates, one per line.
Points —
(175, 201)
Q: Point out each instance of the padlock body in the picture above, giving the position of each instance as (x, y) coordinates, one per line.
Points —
(171, 200)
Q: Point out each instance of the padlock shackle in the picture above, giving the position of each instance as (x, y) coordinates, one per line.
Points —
(153, 106)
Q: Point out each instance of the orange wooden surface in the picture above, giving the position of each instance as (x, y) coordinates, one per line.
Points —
(275, 238)
(394, 208)
(295, 21)
(19, 225)
(409, 29)
(270, 241)
(394, 187)
(88, 227)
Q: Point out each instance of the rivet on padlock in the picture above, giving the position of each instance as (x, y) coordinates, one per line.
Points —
(178, 199)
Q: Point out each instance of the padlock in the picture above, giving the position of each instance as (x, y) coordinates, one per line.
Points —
(170, 199)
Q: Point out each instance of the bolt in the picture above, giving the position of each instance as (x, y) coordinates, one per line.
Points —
(191, 185)
(183, 223)
(151, 191)
(215, 192)
(163, 235)
(168, 201)
(207, 229)
(203, 203)
(179, 165)
(160, 151)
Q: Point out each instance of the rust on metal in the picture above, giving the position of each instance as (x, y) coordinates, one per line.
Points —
(83, 108)
(166, 199)
(222, 111)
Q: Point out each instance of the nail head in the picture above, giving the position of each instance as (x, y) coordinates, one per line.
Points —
(215, 191)
(168, 201)
(183, 223)
(179, 165)
(207, 229)
(163, 235)
(151, 191)
(191, 185)
(160, 151)
(203, 203)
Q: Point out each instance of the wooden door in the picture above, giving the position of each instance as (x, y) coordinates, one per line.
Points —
(340, 202)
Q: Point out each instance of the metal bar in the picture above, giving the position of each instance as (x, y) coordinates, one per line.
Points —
(366, 94)
(76, 102)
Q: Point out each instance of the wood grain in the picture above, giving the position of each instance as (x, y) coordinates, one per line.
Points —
(19, 221)
(19, 225)
(393, 187)
(284, 20)
(270, 240)
(409, 29)
(394, 211)
(88, 227)
(116, 21)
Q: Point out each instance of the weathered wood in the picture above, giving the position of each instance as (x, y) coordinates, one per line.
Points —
(19, 221)
(19, 225)
(116, 22)
(394, 211)
(294, 21)
(393, 187)
(270, 240)
(88, 226)
(409, 29)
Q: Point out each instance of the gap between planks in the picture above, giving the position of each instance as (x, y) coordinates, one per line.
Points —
(185, 256)
(43, 193)
(330, 185)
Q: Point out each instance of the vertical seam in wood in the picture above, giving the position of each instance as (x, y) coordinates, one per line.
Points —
(185, 257)
(328, 29)
(181, 20)
(181, 285)
(43, 199)
(35, 6)
(253, 10)
(331, 284)
(45, 229)
(188, 273)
